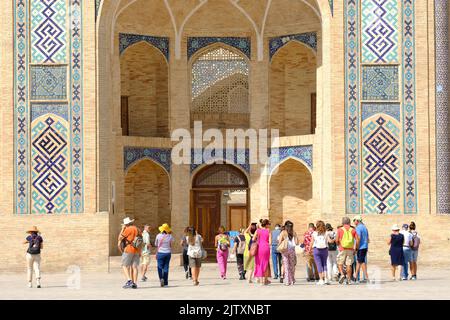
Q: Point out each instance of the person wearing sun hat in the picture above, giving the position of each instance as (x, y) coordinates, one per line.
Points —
(163, 243)
(130, 254)
(35, 245)
(396, 249)
(361, 254)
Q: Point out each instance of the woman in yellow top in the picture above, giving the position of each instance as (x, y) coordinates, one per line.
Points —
(249, 261)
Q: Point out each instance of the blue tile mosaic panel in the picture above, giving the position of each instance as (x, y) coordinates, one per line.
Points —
(381, 166)
(76, 108)
(380, 31)
(21, 112)
(240, 157)
(131, 155)
(161, 43)
(50, 165)
(48, 142)
(309, 39)
(352, 106)
(302, 153)
(380, 83)
(48, 82)
(43, 109)
(370, 109)
(196, 43)
(49, 22)
(409, 108)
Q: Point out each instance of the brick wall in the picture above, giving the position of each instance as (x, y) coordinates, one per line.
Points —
(292, 80)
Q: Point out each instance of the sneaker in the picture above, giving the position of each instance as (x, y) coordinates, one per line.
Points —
(161, 282)
(341, 279)
(320, 282)
(144, 278)
(404, 279)
(30, 285)
(38, 283)
(413, 278)
(128, 284)
(134, 285)
(187, 275)
(275, 278)
(281, 279)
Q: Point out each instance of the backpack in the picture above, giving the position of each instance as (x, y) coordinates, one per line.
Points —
(35, 246)
(241, 246)
(332, 246)
(347, 240)
(415, 241)
(138, 241)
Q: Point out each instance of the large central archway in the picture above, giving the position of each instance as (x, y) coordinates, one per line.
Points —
(220, 196)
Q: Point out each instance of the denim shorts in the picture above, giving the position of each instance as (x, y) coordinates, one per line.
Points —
(414, 255)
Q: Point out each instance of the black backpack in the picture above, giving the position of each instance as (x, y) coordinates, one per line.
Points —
(35, 246)
(332, 246)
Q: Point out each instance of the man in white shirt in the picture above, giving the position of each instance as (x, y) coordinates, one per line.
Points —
(406, 250)
(145, 255)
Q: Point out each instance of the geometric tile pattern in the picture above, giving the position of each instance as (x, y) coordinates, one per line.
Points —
(42, 28)
(131, 155)
(196, 43)
(352, 107)
(309, 39)
(161, 43)
(48, 31)
(302, 153)
(370, 109)
(442, 110)
(409, 108)
(49, 154)
(239, 157)
(48, 82)
(42, 109)
(76, 107)
(380, 48)
(380, 83)
(380, 31)
(381, 163)
(21, 112)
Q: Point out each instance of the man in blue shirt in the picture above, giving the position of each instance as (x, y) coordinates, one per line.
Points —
(363, 235)
(276, 256)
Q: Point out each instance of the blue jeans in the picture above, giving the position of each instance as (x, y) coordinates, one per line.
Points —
(407, 259)
(276, 261)
(163, 260)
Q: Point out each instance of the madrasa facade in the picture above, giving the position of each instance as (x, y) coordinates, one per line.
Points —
(92, 93)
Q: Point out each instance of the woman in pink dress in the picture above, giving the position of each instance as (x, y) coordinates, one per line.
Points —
(263, 238)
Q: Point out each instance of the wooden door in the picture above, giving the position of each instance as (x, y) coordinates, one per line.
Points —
(206, 216)
(237, 217)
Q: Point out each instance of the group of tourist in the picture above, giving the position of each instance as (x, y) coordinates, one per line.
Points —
(330, 255)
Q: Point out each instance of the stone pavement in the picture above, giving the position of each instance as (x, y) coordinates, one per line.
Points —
(432, 284)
